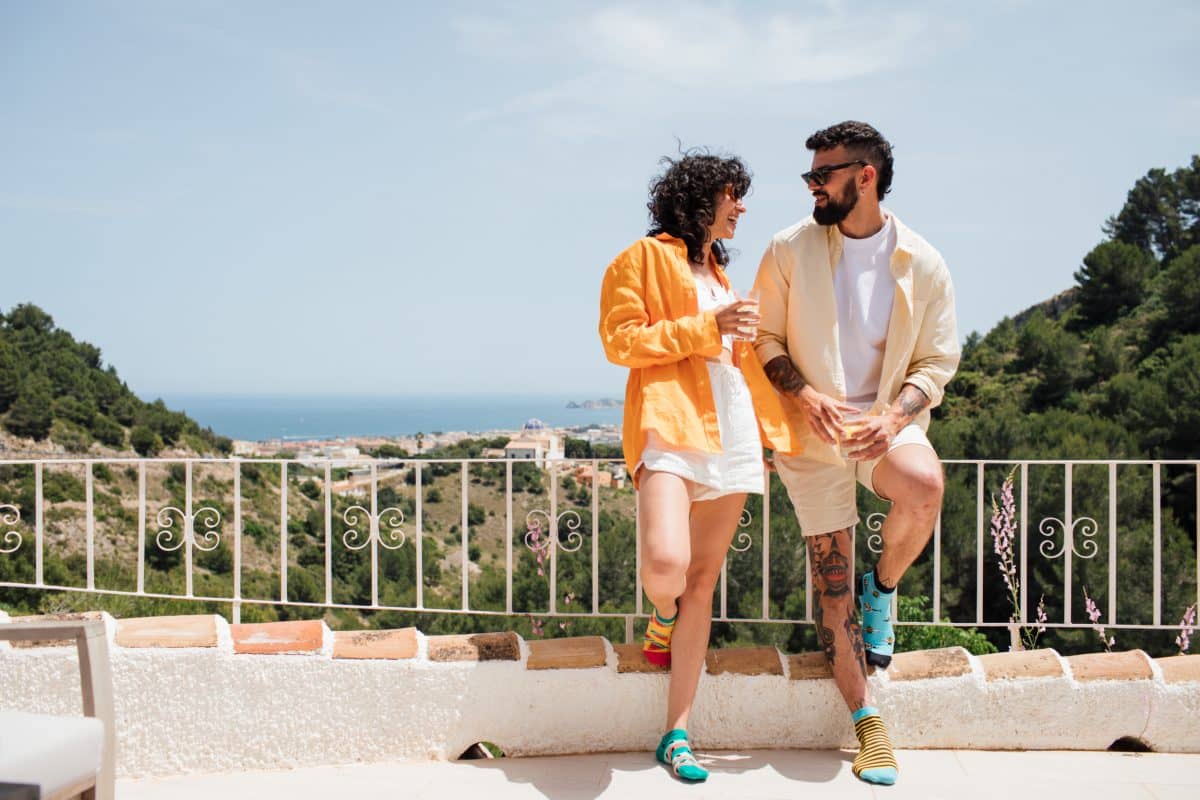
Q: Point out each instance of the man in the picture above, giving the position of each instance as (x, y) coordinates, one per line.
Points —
(858, 319)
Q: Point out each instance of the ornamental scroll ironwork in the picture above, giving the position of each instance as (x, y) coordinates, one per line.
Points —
(10, 515)
(207, 540)
(743, 541)
(1087, 527)
(538, 539)
(390, 518)
(875, 524)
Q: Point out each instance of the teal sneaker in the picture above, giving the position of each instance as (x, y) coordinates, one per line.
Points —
(879, 638)
(674, 751)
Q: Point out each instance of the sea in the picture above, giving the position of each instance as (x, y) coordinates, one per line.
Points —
(300, 417)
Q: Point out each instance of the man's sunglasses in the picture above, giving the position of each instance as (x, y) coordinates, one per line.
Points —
(820, 175)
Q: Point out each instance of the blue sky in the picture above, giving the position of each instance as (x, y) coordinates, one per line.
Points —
(406, 198)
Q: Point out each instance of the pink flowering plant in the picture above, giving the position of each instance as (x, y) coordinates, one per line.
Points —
(540, 542)
(1004, 529)
(1187, 626)
(1094, 615)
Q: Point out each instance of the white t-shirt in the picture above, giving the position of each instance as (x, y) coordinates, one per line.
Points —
(710, 298)
(864, 289)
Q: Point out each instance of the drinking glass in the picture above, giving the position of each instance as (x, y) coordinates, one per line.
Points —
(850, 426)
(749, 302)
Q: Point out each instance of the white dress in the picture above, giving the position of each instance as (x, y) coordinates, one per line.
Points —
(738, 467)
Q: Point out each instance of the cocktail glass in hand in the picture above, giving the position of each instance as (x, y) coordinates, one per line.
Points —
(748, 302)
(851, 426)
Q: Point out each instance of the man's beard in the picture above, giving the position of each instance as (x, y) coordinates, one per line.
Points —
(836, 209)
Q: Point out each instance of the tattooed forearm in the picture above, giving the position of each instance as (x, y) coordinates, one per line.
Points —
(784, 375)
(912, 401)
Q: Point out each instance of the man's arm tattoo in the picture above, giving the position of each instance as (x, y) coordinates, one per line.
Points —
(784, 375)
(912, 401)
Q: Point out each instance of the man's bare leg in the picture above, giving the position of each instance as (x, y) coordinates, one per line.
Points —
(831, 560)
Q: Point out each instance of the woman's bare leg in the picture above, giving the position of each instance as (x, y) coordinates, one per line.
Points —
(713, 523)
(663, 506)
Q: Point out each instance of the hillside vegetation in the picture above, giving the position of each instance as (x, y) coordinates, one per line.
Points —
(54, 387)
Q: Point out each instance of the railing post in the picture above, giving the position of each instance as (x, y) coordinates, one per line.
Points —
(39, 524)
(1157, 544)
(508, 536)
(420, 554)
(1112, 544)
(141, 546)
(1068, 539)
(328, 533)
(90, 503)
(637, 552)
(979, 542)
(553, 533)
(595, 536)
(1024, 543)
(237, 541)
(466, 559)
(188, 527)
(766, 539)
(373, 533)
(283, 531)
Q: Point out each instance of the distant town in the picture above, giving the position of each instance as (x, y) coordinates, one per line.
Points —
(534, 440)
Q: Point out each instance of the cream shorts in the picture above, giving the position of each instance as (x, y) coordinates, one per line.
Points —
(739, 466)
(823, 494)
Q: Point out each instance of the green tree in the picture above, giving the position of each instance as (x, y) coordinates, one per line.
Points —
(1181, 292)
(10, 376)
(31, 414)
(145, 441)
(108, 431)
(1161, 212)
(1113, 279)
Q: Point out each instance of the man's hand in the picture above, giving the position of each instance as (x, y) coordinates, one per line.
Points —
(871, 437)
(825, 415)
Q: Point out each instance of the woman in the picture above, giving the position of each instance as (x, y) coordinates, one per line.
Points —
(691, 440)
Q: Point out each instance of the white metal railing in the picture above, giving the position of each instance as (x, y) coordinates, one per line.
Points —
(553, 534)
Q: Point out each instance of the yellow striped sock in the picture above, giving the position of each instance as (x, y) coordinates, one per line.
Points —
(876, 761)
(657, 642)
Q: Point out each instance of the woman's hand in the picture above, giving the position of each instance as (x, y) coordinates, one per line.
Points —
(737, 319)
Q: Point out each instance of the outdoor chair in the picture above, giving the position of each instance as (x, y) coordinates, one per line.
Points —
(53, 757)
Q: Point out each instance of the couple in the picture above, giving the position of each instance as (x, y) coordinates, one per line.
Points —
(855, 321)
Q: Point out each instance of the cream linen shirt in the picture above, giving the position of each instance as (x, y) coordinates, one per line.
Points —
(799, 319)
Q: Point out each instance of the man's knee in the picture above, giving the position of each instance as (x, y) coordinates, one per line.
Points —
(924, 491)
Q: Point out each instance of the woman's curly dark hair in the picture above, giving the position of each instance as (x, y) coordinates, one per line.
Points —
(683, 199)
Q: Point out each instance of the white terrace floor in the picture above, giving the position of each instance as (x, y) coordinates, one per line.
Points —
(803, 774)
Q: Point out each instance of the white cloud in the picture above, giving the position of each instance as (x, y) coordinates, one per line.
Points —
(623, 57)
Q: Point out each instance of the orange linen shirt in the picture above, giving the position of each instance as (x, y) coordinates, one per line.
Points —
(650, 321)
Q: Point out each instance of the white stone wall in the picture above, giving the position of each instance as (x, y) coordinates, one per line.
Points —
(210, 710)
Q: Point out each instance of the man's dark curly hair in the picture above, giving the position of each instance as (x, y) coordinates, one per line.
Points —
(683, 199)
(861, 141)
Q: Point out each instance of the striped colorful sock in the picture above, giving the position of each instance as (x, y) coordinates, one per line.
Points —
(656, 645)
(674, 751)
(875, 762)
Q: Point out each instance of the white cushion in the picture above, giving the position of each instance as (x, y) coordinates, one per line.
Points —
(55, 753)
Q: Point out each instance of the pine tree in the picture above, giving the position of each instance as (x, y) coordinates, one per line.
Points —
(31, 413)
